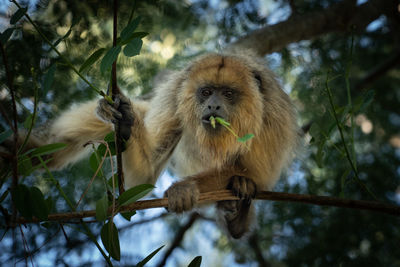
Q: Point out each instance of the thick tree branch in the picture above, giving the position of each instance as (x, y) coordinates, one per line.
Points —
(337, 18)
(227, 195)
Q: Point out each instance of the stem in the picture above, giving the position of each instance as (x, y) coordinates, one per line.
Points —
(35, 100)
(69, 64)
(347, 80)
(115, 91)
(344, 142)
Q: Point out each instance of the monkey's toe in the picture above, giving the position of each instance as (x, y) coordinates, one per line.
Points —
(243, 187)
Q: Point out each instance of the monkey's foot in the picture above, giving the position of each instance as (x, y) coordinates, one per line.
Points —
(243, 187)
(236, 215)
(182, 196)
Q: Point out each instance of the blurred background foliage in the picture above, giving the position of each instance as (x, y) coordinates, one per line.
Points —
(286, 234)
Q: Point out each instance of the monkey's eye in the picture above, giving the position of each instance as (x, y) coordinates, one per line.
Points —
(228, 94)
(206, 92)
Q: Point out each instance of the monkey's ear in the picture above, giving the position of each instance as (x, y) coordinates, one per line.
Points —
(258, 80)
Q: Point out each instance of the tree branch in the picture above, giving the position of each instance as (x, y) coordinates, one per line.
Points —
(379, 71)
(337, 18)
(210, 197)
(178, 238)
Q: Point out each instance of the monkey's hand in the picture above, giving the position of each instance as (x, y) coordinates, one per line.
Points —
(120, 112)
(243, 187)
(182, 196)
(237, 212)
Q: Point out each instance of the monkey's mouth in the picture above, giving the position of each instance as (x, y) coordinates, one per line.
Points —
(206, 119)
(207, 122)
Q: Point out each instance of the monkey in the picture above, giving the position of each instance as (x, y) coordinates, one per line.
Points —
(173, 130)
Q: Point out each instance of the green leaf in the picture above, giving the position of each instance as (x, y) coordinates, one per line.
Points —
(93, 162)
(245, 138)
(101, 150)
(110, 181)
(63, 37)
(127, 215)
(222, 121)
(109, 237)
(39, 206)
(25, 165)
(4, 36)
(315, 130)
(130, 28)
(196, 262)
(18, 15)
(151, 255)
(133, 48)
(21, 199)
(4, 195)
(48, 149)
(102, 209)
(5, 135)
(49, 78)
(28, 121)
(109, 58)
(134, 193)
(92, 59)
(139, 35)
(110, 137)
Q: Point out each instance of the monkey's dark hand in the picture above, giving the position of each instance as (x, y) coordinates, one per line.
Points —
(182, 196)
(236, 212)
(243, 187)
(120, 112)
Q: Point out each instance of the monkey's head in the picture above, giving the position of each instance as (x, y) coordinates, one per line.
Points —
(226, 86)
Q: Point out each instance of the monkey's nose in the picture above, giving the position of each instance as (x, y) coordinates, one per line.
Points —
(212, 107)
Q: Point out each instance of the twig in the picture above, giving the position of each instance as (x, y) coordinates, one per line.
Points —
(178, 238)
(227, 195)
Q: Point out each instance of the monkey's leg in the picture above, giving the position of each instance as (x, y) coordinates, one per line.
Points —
(237, 213)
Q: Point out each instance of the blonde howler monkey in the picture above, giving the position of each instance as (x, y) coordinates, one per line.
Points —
(173, 130)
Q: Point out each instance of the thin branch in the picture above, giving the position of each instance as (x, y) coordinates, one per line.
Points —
(178, 238)
(214, 196)
(254, 244)
(379, 71)
(115, 90)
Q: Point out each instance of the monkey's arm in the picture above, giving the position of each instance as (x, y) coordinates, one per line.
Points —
(151, 134)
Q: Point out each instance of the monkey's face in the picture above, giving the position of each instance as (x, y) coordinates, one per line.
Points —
(215, 101)
(220, 86)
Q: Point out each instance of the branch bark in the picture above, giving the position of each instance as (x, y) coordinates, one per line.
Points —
(210, 197)
(337, 18)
